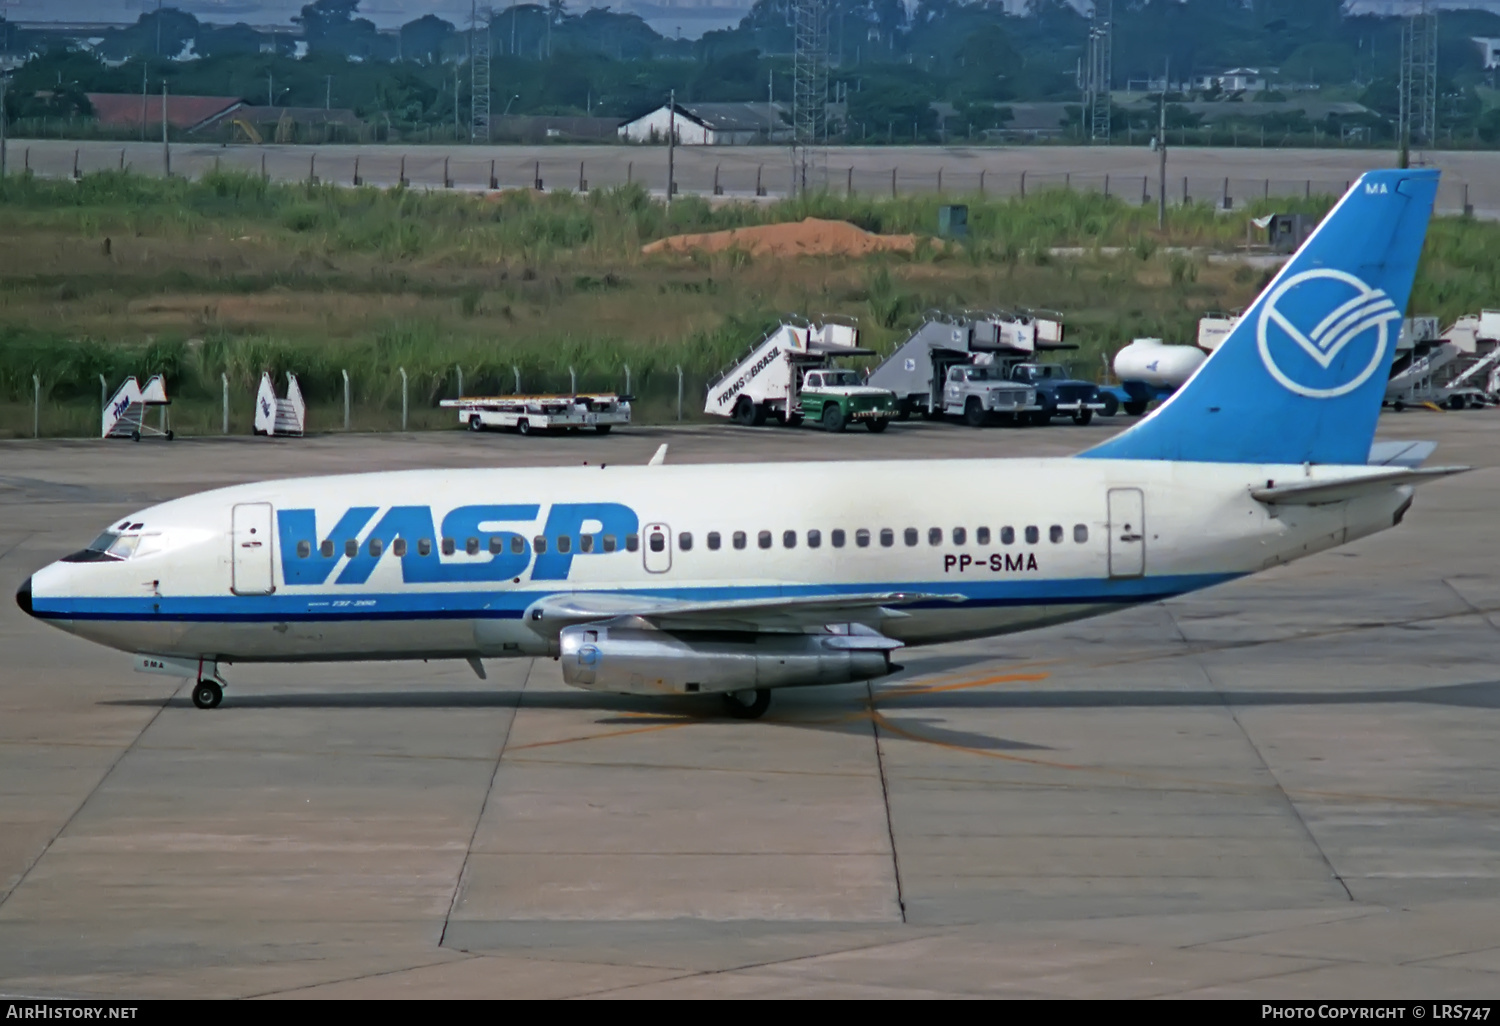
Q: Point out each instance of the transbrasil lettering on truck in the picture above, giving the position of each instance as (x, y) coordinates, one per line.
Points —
(745, 378)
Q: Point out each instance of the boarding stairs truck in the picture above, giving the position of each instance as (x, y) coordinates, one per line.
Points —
(1458, 369)
(950, 366)
(774, 378)
(528, 414)
(124, 414)
(275, 416)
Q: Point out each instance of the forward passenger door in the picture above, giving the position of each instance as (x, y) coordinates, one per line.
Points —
(251, 538)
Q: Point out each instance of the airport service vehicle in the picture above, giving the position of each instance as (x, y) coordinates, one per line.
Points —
(277, 416)
(836, 397)
(767, 380)
(601, 411)
(737, 579)
(1057, 391)
(948, 366)
(1457, 369)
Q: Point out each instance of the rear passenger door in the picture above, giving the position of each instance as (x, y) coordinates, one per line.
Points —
(1127, 532)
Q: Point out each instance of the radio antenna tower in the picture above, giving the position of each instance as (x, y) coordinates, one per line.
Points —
(1096, 99)
(809, 80)
(1417, 121)
(479, 70)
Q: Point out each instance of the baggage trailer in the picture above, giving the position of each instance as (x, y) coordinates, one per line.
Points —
(527, 414)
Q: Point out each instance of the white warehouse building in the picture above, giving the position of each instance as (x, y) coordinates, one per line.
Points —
(711, 124)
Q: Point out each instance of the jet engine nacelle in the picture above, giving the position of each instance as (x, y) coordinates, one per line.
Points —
(644, 661)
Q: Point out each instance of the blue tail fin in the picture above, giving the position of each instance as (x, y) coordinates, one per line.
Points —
(1301, 377)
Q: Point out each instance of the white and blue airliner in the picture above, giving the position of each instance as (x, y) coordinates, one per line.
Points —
(738, 579)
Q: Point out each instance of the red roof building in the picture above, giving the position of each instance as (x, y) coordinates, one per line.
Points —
(184, 113)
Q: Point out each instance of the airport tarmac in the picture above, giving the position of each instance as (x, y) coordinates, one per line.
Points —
(1284, 787)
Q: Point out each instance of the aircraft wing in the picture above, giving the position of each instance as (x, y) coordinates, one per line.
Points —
(1315, 493)
(775, 613)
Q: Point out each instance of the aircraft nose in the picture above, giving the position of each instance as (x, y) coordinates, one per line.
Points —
(23, 597)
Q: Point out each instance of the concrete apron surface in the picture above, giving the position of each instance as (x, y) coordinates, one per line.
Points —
(1282, 787)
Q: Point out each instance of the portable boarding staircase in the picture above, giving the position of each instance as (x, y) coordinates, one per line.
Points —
(765, 379)
(1459, 368)
(124, 414)
(275, 416)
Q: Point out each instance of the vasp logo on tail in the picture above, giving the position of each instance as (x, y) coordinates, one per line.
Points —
(1322, 333)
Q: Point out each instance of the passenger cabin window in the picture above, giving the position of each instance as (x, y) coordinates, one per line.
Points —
(862, 538)
(351, 548)
(1080, 533)
(713, 541)
(685, 541)
(497, 544)
(1007, 536)
(911, 535)
(763, 539)
(657, 542)
(789, 539)
(609, 543)
(565, 543)
(304, 549)
(959, 536)
(934, 536)
(887, 537)
(1033, 535)
(326, 549)
(814, 538)
(632, 543)
(539, 544)
(837, 537)
(739, 539)
(398, 547)
(424, 546)
(376, 547)
(517, 544)
(449, 546)
(471, 546)
(1055, 532)
(585, 543)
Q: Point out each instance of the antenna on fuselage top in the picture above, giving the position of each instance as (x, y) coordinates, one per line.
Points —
(660, 457)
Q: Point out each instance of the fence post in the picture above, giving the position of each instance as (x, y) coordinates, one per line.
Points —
(122, 158)
(1224, 201)
(1307, 190)
(357, 182)
(447, 181)
(401, 179)
(1106, 186)
(263, 175)
(460, 380)
(759, 189)
(1145, 191)
(940, 181)
(572, 381)
(981, 183)
(1023, 184)
(517, 371)
(627, 379)
(849, 184)
(494, 182)
(1068, 181)
(536, 174)
(718, 190)
(346, 399)
(629, 171)
(36, 406)
(679, 391)
(1184, 191)
(75, 166)
(312, 170)
(1266, 188)
(403, 397)
(224, 382)
(103, 396)
(583, 183)
(893, 183)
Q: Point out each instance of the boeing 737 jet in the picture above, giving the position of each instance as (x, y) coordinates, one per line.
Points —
(738, 579)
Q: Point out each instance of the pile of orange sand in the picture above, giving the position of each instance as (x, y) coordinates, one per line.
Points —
(812, 237)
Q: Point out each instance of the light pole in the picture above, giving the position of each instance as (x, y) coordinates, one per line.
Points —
(508, 102)
(1161, 152)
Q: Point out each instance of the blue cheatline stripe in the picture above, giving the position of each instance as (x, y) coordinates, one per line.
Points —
(299, 605)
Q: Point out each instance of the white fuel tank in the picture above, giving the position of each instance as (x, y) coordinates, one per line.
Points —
(1152, 361)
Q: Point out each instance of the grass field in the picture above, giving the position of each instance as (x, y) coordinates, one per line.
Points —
(119, 274)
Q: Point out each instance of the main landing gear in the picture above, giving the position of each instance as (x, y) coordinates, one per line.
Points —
(207, 694)
(747, 705)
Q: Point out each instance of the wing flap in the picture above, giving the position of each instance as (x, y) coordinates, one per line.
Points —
(1316, 493)
(779, 612)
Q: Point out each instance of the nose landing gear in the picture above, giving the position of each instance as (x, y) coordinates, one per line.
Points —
(207, 694)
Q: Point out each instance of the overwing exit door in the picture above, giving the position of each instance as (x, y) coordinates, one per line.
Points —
(656, 548)
(252, 549)
(1127, 532)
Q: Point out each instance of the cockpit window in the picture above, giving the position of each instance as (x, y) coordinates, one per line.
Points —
(107, 548)
(124, 546)
(103, 542)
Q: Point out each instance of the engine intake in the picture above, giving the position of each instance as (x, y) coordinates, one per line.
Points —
(645, 661)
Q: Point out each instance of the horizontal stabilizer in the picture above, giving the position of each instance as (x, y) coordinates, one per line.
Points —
(778, 612)
(1401, 454)
(1316, 493)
